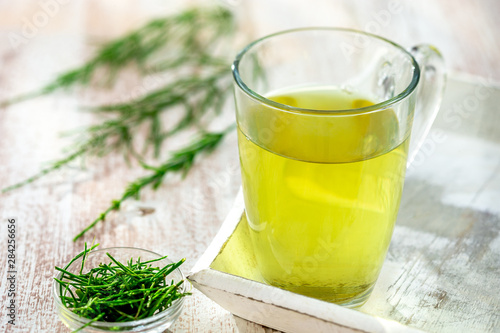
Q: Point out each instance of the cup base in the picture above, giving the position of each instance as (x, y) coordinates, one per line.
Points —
(357, 301)
(351, 298)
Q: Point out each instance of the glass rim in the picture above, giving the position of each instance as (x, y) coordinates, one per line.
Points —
(163, 315)
(375, 107)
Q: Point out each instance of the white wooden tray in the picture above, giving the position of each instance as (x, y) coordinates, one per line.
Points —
(442, 271)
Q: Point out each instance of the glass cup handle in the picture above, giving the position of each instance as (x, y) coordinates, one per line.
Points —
(430, 91)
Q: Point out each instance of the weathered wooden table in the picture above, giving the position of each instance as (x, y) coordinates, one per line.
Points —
(450, 214)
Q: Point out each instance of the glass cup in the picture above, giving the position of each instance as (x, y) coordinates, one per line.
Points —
(324, 121)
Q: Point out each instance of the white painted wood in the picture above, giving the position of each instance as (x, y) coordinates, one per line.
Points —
(442, 271)
(223, 235)
(286, 311)
(188, 213)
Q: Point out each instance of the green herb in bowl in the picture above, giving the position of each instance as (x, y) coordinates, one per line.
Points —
(118, 292)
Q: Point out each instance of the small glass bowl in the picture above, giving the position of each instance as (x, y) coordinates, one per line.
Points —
(157, 323)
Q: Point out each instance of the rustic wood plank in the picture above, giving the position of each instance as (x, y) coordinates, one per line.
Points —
(52, 211)
(444, 261)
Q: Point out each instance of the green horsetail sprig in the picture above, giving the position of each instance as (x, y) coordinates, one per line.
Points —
(189, 50)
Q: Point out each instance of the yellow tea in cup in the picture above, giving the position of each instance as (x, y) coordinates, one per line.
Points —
(321, 219)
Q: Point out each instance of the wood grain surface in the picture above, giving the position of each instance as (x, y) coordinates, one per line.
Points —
(185, 214)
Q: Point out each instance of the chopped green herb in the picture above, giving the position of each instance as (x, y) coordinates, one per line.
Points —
(119, 292)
